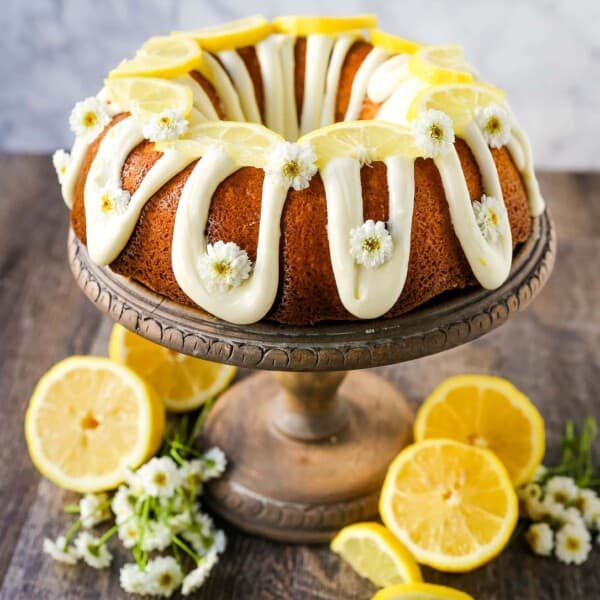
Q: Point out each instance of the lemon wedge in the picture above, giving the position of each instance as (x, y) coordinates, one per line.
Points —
(420, 591)
(489, 412)
(302, 26)
(366, 141)
(182, 382)
(162, 56)
(89, 420)
(393, 43)
(228, 36)
(374, 553)
(440, 64)
(452, 505)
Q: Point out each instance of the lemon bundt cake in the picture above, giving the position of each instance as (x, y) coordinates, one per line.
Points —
(300, 170)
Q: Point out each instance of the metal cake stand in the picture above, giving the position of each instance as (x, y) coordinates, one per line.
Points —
(308, 446)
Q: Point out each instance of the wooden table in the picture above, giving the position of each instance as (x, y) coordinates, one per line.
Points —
(551, 352)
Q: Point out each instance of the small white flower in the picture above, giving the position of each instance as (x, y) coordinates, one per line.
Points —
(133, 580)
(164, 575)
(561, 490)
(89, 117)
(194, 579)
(371, 244)
(157, 536)
(61, 161)
(129, 533)
(224, 266)
(191, 473)
(540, 538)
(214, 464)
(113, 200)
(536, 510)
(159, 477)
(167, 125)
(94, 554)
(529, 491)
(434, 132)
(589, 504)
(571, 516)
(494, 122)
(489, 214)
(540, 474)
(205, 523)
(58, 551)
(180, 522)
(93, 509)
(123, 503)
(293, 165)
(573, 544)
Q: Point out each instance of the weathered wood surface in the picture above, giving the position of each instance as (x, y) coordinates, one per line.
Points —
(551, 351)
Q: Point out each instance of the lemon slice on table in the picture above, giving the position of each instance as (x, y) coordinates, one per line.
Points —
(452, 505)
(302, 26)
(248, 144)
(393, 43)
(420, 591)
(489, 412)
(440, 64)
(228, 36)
(373, 552)
(162, 56)
(364, 140)
(182, 382)
(89, 420)
(458, 100)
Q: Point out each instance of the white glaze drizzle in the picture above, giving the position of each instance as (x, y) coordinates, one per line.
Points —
(242, 81)
(69, 182)
(224, 88)
(268, 54)
(387, 77)
(202, 102)
(288, 62)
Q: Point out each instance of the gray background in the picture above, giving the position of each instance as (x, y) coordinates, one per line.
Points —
(545, 53)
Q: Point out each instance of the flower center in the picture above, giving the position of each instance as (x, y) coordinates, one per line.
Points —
(160, 479)
(492, 216)
(90, 119)
(559, 497)
(165, 121)
(291, 169)
(494, 125)
(436, 132)
(370, 244)
(222, 268)
(573, 544)
(165, 579)
(106, 203)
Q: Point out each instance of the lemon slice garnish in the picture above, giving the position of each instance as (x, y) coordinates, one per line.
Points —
(393, 43)
(89, 420)
(420, 591)
(163, 56)
(440, 64)
(228, 36)
(306, 25)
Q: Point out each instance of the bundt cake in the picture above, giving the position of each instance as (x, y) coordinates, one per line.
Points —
(300, 170)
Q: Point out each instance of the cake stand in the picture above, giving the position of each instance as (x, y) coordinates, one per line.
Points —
(308, 446)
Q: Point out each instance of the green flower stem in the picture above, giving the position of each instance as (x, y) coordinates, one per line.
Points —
(72, 509)
(177, 542)
(202, 416)
(71, 532)
(107, 535)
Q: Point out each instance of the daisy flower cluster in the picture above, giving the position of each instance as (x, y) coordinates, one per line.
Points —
(156, 514)
(565, 514)
(371, 244)
(489, 213)
(292, 164)
(434, 132)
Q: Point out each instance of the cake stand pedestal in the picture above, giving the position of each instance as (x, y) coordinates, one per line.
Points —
(307, 446)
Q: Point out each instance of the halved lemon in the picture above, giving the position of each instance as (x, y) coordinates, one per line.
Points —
(393, 43)
(452, 505)
(440, 64)
(306, 25)
(373, 552)
(231, 35)
(162, 56)
(489, 412)
(458, 100)
(248, 144)
(420, 591)
(366, 141)
(89, 420)
(148, 96)
(182, 382)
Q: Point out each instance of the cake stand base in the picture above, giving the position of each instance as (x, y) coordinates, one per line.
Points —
(303, 460)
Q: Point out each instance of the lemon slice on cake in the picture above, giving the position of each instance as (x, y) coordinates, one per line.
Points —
(452, 505)
(182, 382)
(489, 412)
(162, 56)
(374, 553)
(440, 64)
(393, 43)
(366, 141)
(228, 36)
(420, 591)
(302, 26)
(89, 420)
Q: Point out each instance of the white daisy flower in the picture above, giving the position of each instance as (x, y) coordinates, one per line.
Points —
(61, 161)
(164, 576)
(167, 125)
(94, 554)
(561, 490)
(434, 133)
(489, 213)
(224, 266)
(133, 580)
(191, 473)
(89, 117)
(205, 522)
(589, 504)
(536, 510)
(180, 522)
(58, 551)
(495, 124)
(93, 509)
(293, 165)
(540, 538)
(573, 544)
(529, 491)
(371, 244)
(157, 536)
(129, 533)
(113, 200)
(194, 579)
(215, 463)
(123, 503)
(159, 477)
(571, 516)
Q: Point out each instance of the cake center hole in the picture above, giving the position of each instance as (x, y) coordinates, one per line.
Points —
(89, 421)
